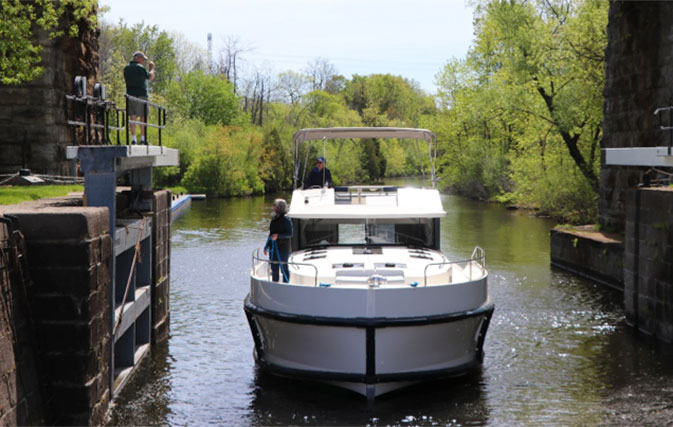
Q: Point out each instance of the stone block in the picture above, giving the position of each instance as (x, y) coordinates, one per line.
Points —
(69, 337)
(79, 399)
(12, 158)
(8, 418)
(78, 281)
(76, 368)
(62, 254)
(59, 308)
(64, 223)
(7, 364)
(665, 332)
(9, 383)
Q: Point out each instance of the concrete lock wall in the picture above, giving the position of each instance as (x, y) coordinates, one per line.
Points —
(67, 379)
(648, 261)
(596, 255)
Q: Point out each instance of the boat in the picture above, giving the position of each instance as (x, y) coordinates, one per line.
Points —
(372, 304)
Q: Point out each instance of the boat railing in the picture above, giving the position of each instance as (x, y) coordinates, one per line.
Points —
(256, 258)
(478, 257)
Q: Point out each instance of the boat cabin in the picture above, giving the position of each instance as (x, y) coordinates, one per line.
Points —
(367, 216)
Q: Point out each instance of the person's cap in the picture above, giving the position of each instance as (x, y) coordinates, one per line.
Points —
(139, 53)
(320, 160)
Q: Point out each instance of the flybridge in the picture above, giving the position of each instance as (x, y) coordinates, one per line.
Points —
(366, 202)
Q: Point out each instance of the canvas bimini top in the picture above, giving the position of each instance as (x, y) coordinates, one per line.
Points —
(316, 134)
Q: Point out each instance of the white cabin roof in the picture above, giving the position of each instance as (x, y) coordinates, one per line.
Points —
(366, 202)
(362, 132)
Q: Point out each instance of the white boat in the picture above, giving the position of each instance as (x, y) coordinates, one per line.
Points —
(372, 304)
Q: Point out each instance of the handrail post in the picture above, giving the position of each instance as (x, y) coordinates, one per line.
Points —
(126, 119)
(146, 109)
(117, 112)
(159, 123)
(106, 123)
(87, 120)
(670, 131)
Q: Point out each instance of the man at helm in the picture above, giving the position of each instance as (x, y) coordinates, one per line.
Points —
(320, 176)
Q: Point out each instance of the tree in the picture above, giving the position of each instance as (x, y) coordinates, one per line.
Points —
(227, 62)
(544, 51)
(257, 95)
(292, 86)
(207, 97)
(522, 114)
(119, 42)
(19, 53)
(320, 72)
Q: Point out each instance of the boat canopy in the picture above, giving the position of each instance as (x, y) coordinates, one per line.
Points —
(322, 134)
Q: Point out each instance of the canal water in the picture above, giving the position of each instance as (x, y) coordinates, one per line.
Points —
(558, 351)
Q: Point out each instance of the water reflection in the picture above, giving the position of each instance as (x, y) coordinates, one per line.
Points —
(459, 401)
(557, 352)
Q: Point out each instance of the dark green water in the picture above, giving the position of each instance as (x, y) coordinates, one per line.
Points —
(557, 353)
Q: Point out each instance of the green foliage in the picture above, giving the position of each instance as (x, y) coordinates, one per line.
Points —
(226, 163)
(522, 114)
(208, 97)
(275, 162)
(19, 53)
(384, 98)
(372, 160)
(117, 45)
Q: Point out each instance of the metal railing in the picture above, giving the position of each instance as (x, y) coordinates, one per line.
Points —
(670, 124)
(161, 117)
(256, 259)
(93, 118)
(90, 116)
(478, 256)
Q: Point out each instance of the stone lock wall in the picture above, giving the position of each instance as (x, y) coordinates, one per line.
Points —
(69, 252)
(648, 261)
(638, 79)
(33, 132)
(55, 339)
(20, 394)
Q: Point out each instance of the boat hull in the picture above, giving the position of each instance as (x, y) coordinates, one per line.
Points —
(370, 355)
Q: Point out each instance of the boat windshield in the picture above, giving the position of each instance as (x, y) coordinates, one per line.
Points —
(400, 231)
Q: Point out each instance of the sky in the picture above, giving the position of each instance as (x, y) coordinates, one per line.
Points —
(410, 38)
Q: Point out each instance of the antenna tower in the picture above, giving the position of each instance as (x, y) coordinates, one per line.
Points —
(210, 52)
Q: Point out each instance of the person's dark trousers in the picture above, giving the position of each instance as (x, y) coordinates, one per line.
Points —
(275, 270)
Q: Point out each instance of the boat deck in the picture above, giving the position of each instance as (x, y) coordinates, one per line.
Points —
(375, 266)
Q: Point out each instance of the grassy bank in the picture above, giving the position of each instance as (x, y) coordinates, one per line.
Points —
(13, 195)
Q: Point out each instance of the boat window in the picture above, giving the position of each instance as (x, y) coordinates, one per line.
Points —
(416, 232)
